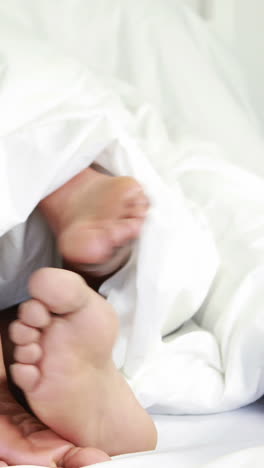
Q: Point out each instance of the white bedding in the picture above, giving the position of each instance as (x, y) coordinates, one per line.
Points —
(206, 441)
(171, 111)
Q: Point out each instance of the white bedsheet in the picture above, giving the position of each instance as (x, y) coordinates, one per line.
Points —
(198, 266)
(223, 440)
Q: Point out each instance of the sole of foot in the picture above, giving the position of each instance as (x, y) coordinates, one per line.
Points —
(64, 339)
(96, 218)
(25, 441)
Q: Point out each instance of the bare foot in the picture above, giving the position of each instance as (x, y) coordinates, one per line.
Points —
(25, 441)
(95, 217)
(64, 339)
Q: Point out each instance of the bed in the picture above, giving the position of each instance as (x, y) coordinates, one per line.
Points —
(215, 426)
(206, 441)
(209, 440)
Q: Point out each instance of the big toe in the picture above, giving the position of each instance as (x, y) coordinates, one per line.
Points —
(62, 291)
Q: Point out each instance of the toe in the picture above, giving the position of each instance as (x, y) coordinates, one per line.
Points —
(25, 376)
(28, 354)
(130, 188)
(21, 334)
(134, 192)
(125, 230)
(34, 314)
(137, 208)
(63, 291)
(138, 197)
(78, 457)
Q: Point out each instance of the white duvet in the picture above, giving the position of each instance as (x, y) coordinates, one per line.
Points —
(143, 89)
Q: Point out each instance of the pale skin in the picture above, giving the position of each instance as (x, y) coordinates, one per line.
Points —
(95, 217)
(65, 334)
(24, 440)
